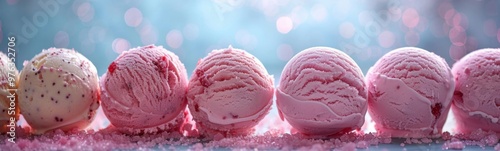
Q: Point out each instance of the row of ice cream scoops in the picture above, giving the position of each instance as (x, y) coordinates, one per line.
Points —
(322, 92)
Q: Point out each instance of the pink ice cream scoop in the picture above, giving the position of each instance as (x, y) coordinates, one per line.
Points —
(409, 93)
(476, 101)
(230, 91)
(321, 92)
(58, 89)
(144, 91)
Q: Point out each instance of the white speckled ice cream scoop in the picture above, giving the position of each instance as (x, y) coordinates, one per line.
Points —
(58, 89)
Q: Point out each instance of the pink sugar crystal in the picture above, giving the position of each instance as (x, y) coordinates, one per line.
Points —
(454, 145)
(497, 147)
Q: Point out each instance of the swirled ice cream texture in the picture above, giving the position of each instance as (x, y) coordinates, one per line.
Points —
(230, 91)
(476, 100)
(409, 93)
(321, 92)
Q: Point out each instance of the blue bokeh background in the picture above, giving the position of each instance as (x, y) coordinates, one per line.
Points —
(272, 30)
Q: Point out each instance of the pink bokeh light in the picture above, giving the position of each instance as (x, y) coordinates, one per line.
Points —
(133, 17)
(285, 52)
(119, 45)
(61, 39)
(386, 39)
(443, 8)
(410, 18)
(174, 39)
(457, 36)
(347, 30)
(85, 12)
(460, 20)
(448, 16)
(284, 24)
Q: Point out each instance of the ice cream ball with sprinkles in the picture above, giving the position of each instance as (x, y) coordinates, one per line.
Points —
(58, 89)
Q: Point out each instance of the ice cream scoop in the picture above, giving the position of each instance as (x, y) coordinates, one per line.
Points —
(229, 92)
(58, 89)
(476, 101)
(144, 91)
(409, 93)
(8, 96)
(321, 92)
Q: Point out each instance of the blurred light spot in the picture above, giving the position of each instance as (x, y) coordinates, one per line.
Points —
(85, 12)
(148, 34)
(448, 17)
(412, 38)
(457, 52)
(285, 52)
(410, 18)
(443, 8)
(174, 39)
(119, 45)
(190, 31)
(61, 39)
(298, 15)
(460, 20)
(471, 44)
(457, 36)
(490, 28)
(318, 12)
(365, 17)
(11, 2)
(133, 17)
(246, 39)
(457, 18)
(386, 39)
(284, 24)
(347, 30)
(96, 34)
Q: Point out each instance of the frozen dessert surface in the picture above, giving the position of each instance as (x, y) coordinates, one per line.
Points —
(229, 91)
(476, 101)
(321, 92)
(8, 100)
(58, 89)
(144, 91)
(409, 93)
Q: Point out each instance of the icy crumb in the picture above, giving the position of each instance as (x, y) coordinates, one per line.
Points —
(112, 139)
(454, 145)
(497, 147)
